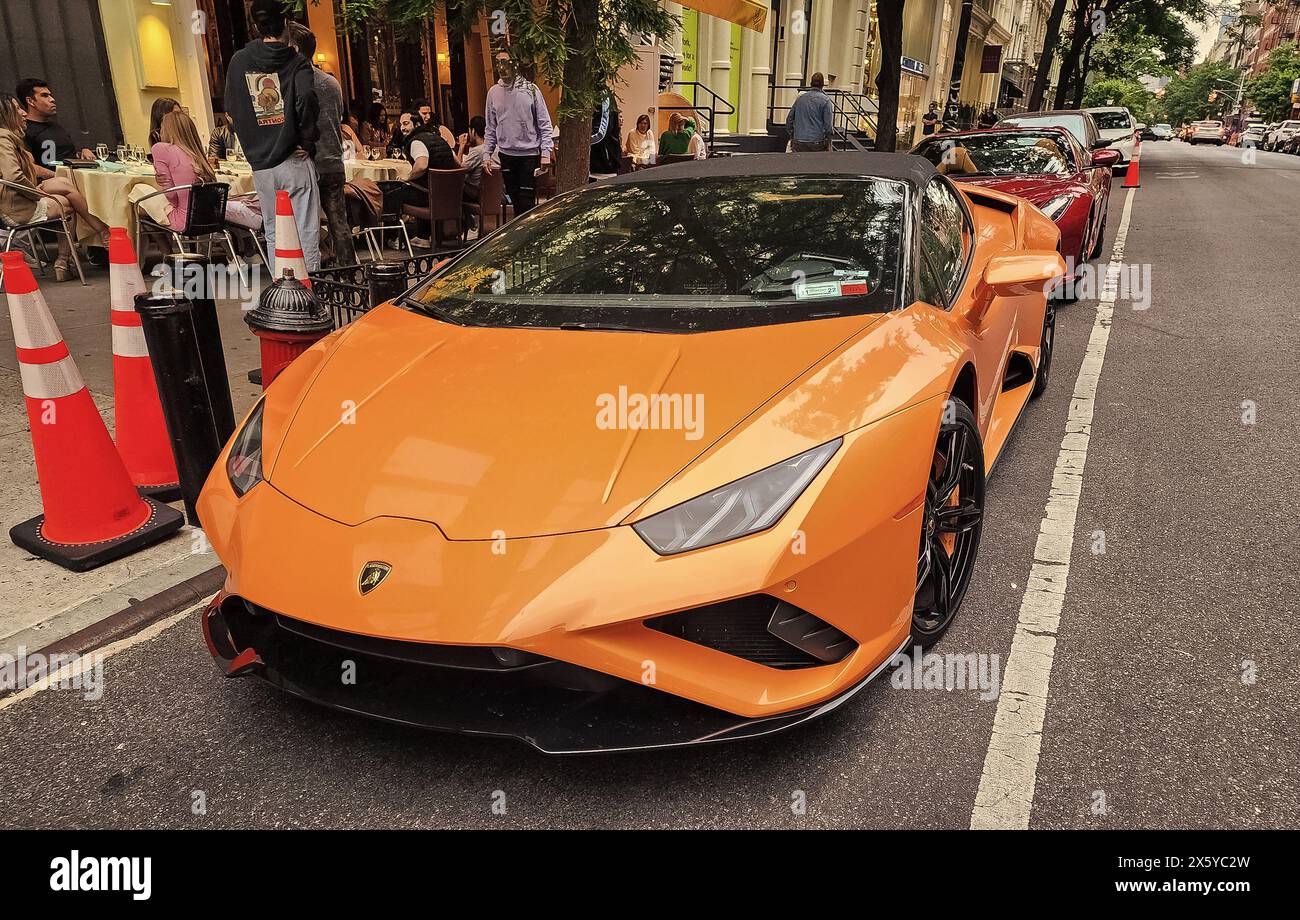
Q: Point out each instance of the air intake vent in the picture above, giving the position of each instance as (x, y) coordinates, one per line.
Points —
(760, 629)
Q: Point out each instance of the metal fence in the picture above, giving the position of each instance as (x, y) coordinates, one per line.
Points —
(346, 292)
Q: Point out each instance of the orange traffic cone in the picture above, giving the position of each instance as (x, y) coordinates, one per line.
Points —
(141, 432)
(1131, 174)
(288, 248)
(92, 513)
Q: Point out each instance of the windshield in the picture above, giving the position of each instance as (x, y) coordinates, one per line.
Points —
(684, 255)
(1013, 153)
(1112, 121)
(1072, 123)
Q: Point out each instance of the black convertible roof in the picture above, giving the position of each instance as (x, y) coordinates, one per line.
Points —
(903, 166)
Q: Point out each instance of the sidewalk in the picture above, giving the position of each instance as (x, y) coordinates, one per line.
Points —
(43, 603)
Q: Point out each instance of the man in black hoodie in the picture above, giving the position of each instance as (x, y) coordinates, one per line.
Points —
(270, 95)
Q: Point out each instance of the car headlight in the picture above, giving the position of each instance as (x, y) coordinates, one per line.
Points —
(738, 509)
(1056, 207)
(244, 464)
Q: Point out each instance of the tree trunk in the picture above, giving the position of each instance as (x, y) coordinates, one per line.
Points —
(1050, 40)
(1081, 80)
(573, 166)
(1070, 63)
(890, 14)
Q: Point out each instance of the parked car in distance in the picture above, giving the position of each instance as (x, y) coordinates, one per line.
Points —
(1278, 138)
(1253, 136)
(1160, 132)
(1120, 131)
(1079, 123)
(1206, 132)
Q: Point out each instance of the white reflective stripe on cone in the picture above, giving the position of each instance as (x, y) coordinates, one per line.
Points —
(128, 342)
(33, 325)
(123, 285)
(51, 381)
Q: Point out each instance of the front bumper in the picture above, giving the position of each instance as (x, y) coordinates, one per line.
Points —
(557, 707)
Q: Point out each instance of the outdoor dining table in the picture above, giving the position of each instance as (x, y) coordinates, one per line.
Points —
(111, 189)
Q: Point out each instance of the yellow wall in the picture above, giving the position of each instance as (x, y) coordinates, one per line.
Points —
(320, 19)
(147, 44)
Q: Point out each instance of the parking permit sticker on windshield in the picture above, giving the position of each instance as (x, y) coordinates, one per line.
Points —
(849, 287)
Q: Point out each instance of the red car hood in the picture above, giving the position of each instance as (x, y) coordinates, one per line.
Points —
(1035, 189)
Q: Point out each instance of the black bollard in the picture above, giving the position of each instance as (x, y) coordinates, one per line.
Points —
(188, 403)
(190, 276)
(386, 280)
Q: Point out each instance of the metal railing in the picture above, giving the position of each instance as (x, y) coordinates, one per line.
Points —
(346, 292)
(716, 106)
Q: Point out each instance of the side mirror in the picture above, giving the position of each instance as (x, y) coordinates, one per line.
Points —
(1029, 272)
(1106, 157)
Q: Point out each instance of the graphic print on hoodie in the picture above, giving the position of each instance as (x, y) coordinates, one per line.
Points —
(271, 98)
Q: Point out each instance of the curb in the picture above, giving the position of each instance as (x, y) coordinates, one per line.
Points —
(132, 619)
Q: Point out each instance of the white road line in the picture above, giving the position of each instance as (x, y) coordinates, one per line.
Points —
(1006, 792)
(87, 661)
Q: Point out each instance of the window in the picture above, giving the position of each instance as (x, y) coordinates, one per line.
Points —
(944, 238)
(686, 255)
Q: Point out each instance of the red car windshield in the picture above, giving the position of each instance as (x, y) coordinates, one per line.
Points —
(1011, 153)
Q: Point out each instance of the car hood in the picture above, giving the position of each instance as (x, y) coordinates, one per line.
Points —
(513, 432)
(1116, 134)
(1036, 189)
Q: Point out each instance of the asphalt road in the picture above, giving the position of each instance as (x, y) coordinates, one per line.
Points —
(1147, 710)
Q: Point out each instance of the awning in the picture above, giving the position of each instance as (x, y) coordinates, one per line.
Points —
(747, 13)
(1010, 90)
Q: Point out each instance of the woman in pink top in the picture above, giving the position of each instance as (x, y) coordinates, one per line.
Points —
(179, 159)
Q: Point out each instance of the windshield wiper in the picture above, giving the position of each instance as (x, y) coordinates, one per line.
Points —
(606, 327)
(436, 312)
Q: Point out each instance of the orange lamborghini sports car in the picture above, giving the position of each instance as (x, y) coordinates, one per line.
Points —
(685, 455)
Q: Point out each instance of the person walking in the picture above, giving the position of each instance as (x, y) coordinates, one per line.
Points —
(518, 130)
(271, 97)
(331, 176)
(811, 120)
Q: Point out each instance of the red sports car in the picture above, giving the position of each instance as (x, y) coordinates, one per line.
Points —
(1045, 166)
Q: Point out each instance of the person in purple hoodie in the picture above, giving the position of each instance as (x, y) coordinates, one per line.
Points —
(519, 131)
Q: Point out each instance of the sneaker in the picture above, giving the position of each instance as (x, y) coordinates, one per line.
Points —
(420, 241)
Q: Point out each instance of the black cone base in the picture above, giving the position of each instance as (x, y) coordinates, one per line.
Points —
(82, 557)
(169, 492)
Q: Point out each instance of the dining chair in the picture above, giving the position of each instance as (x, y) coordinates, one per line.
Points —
(205, 218)
(60, 224)
(390, 218)
(491, 201)
(446, 203)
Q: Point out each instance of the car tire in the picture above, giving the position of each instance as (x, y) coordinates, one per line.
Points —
(1101, 239)
(1043, 374)
(953, 508)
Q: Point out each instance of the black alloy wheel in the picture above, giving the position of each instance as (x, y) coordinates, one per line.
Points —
(951, 525)
(1045, 352)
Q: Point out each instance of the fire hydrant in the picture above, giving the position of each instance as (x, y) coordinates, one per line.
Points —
(288, 320)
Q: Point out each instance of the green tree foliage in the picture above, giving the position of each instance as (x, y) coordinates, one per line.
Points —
(1270, 92)
(579, 45)
(1121, 91)
(1186, 98)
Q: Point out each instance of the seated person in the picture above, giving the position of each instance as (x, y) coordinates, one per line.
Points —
(674, 141)
(178, 159)
(426, 150)
(696, 148)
